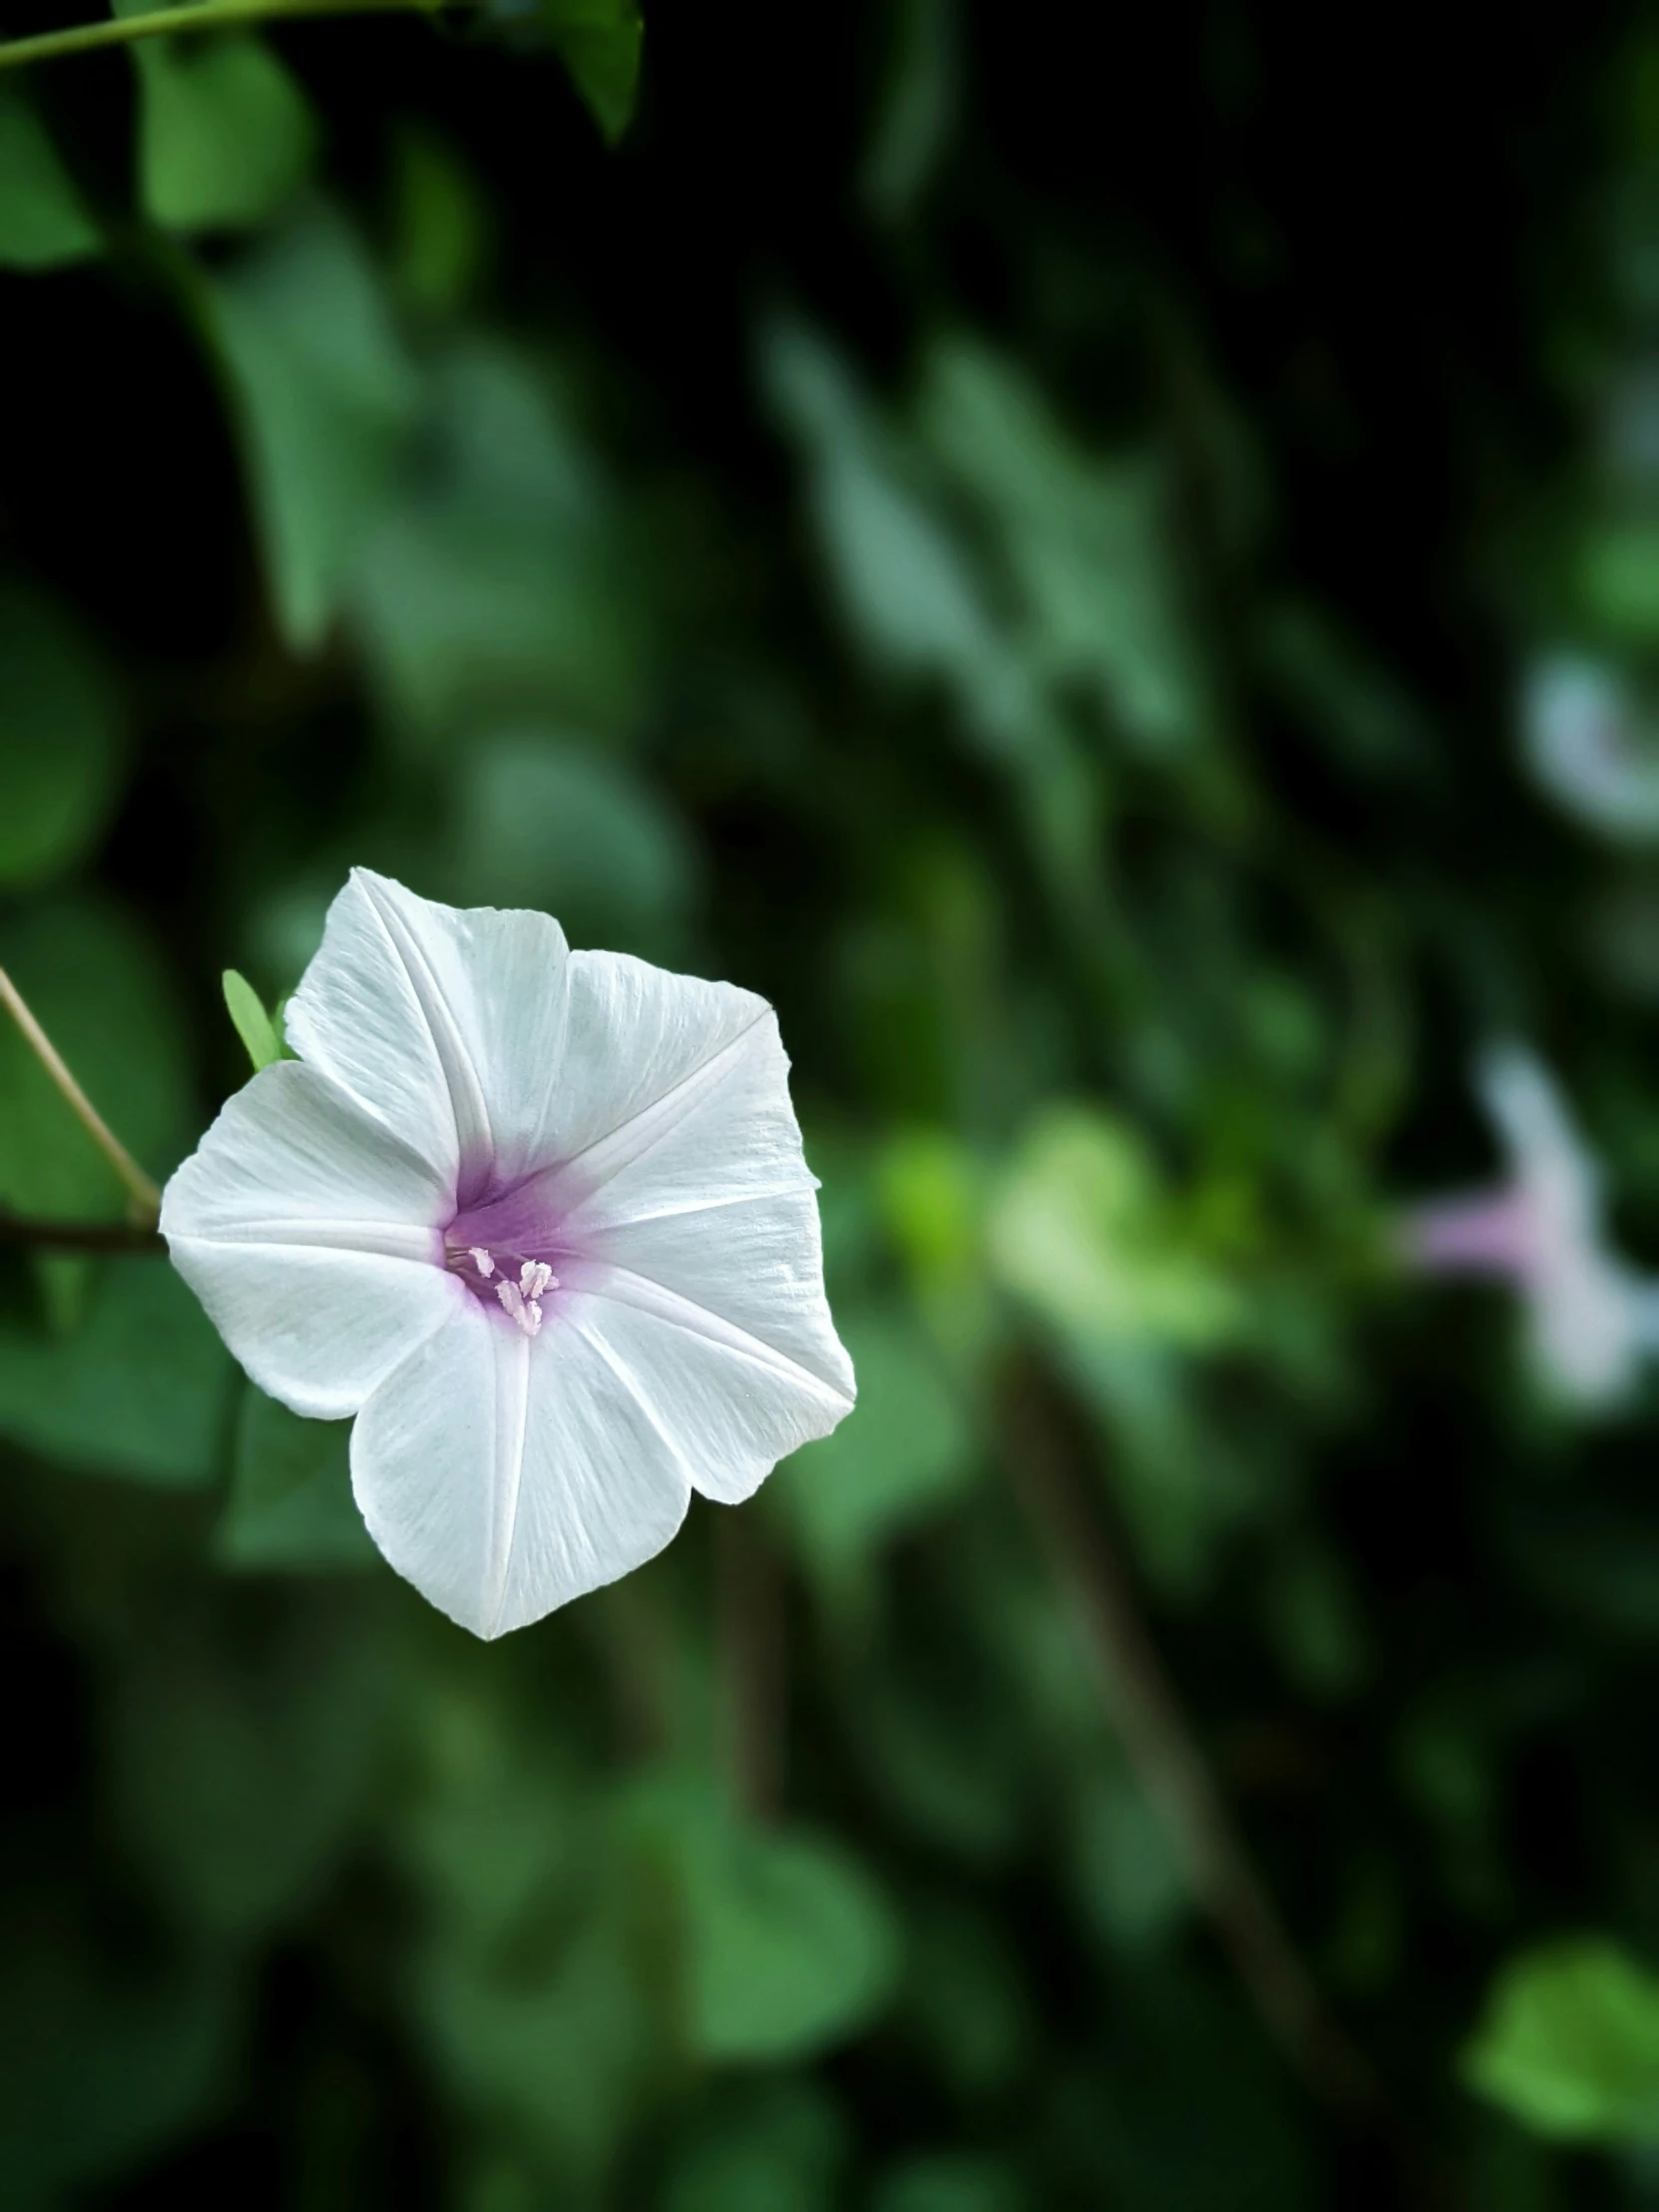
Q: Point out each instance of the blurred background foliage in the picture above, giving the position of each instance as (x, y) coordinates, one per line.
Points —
(1110, 566)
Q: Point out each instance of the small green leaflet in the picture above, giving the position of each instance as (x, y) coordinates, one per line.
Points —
(226, 136)
(43, 219)
(598, 41)
(254, 1026)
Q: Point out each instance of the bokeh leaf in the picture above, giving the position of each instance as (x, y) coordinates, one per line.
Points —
(541, 820)
(137, 1390)
(1082, 1230)
(324, 400)
(494, 588)
(791, 1948)
(901, 1455)
(44, 222)
(600, 43)
(290, 1506)
(950, 2181)
(771, 2145)
(1569, 2043)
(120, 2054)
(226, 136)
(62, 732)
(243, 1751)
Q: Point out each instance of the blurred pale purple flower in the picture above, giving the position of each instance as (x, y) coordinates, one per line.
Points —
(541, 1221)
(1592, 747)
(1591, 1319)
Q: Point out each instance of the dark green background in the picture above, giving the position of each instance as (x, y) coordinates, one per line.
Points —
(1021, 535)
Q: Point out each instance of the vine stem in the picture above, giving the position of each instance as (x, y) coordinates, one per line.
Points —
(145, 1205)
(203, 15)
(1159, 1744)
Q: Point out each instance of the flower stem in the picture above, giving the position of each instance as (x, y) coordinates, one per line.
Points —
(1159, 1744)
(146, 1202)
(205, 15)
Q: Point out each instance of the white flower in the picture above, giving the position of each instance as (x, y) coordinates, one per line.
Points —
(1591, 1319)
(1592, 747)
(540, 1219)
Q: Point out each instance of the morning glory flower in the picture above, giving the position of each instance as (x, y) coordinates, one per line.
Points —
(1591, 1319)
(541, 1221)
(1592, 747)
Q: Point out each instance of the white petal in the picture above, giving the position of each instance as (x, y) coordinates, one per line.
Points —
(1550, 1157)
(699, 1224)
(1586, 1329)
(641, 1047)
(309, 1234)
(444, 1023)
(720, 1134)
(504, 1475)
(741, 1374)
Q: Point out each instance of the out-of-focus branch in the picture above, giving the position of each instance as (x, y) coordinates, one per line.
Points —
(1160, 1744)
(147, 1199)
(749, 1627)
(79, 1235)
(207, 15)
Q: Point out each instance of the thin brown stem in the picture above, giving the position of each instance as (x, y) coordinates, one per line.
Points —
(1160, 1744)
(79, 1235)
(146, 1197)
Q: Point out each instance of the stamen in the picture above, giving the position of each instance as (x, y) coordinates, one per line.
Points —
(524, 1310)
(535, 1277)
(483, 1262)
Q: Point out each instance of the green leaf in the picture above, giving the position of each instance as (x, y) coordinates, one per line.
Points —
(965, 2002)
(1082, 1230)
(950, 2181)
(791, 1948)
(43, 220)
(553, 2053)
(773, 2144)
(910, 590)
(1086, 541)
(103, 998)
(496, 586)
(1125, 1870)
(900, 1456)
(60, 736)
(244, 1749)
(444, 226)
(253, 1024)
(290, 1503)
(1570, 2045)
(325, 401)
(540, 822)
(226, 136)
(1617, 579)
(138, 1389)
(114, 2050)
(598, 41)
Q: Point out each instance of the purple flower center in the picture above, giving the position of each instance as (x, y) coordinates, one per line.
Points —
(504, 1248)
